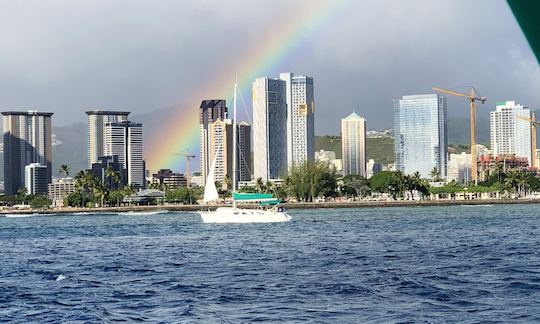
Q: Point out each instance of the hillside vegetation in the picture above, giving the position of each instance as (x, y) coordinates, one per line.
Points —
(379, 149)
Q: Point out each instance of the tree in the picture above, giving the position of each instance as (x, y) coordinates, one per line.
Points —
(310, 180)
(180, 195)
(64, 170)
(354, 185)
(40, 202)
(259, 185)
(381, 181)
(109, 174)
(435, 174)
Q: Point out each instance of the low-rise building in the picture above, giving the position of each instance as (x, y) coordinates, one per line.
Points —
(489, 165)
(169, 178)
(373, 168)
(60, 189)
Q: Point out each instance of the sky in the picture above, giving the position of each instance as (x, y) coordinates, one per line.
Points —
(71, 56)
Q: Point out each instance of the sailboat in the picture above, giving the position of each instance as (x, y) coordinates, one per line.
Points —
(269, 210)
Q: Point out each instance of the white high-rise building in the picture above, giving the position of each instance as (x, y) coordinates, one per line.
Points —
(269, 128)
(35, 179)
(27, 139)
(508, 133)
(125, 140)
(300, 118)
(421, 136)
(353, 145)
(97, 119)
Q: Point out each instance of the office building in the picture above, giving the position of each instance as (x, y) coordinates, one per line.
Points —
(509, 134)
(60, 189)
(97, 119)
(35, 179)
(125, 140)
(100, 170)
(209, 112)
(300, 118)
(270, 128)
(27, 140)
(353, 145)
(421, 136)
(244, 152)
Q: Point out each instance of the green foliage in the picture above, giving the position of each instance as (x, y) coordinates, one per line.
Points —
(380, 149)
(311, 180)
(40, 202)
(354, 185)
(116, 197)
(180, 195)
(381, 181)
(74, 199)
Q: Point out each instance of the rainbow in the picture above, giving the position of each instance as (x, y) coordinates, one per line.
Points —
(181, 132)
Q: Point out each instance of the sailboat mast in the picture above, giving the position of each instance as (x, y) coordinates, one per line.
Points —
(234, 146)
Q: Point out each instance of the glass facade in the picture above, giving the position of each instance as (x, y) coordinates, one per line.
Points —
(421, 137)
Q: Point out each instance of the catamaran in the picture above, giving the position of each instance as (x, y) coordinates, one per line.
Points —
(269, 210)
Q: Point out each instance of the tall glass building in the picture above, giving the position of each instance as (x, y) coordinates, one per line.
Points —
(421, 136)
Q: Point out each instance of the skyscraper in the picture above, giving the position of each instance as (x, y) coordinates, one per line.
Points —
(270, 128)
(421, 136)
(300, 118)
(27, 140)
(209, 112)
(509, 134)
(97, 119)
(220, 139)
(353, 145)
(125, 140)
(244, 152)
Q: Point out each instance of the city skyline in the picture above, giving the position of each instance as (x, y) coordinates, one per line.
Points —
(180, 71)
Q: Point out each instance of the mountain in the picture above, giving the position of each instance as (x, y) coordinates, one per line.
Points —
(70, 145)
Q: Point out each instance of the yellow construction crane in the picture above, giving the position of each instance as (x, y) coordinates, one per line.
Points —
(533, 123)
(472, 99)
(188, 162)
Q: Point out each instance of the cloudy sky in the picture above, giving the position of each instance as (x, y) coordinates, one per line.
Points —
(71, 56)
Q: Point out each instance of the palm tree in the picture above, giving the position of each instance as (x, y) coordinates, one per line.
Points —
(435, 174)
(259, 185)
(64, 169)
(109, 174)
(269, 187)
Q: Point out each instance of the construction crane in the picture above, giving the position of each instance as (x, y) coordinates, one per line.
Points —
(533, 123)
(472, 99)
(188, 162)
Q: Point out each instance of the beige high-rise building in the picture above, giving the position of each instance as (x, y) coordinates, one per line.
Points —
(220, 140)
(97, 119)
(27, 140)
(209, 111)
(353, 144)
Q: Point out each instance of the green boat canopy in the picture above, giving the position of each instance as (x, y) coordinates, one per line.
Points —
(271, 202)
(252, 197)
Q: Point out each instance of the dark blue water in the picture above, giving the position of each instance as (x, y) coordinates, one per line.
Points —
(443, 264)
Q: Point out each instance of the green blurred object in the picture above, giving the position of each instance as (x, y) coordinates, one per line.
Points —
(527, 13)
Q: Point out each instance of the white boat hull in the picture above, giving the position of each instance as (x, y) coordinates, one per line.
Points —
(240, 215)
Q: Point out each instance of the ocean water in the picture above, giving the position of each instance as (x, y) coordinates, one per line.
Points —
(430, 264)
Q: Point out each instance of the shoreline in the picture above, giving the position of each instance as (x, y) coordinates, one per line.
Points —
(309, 205)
